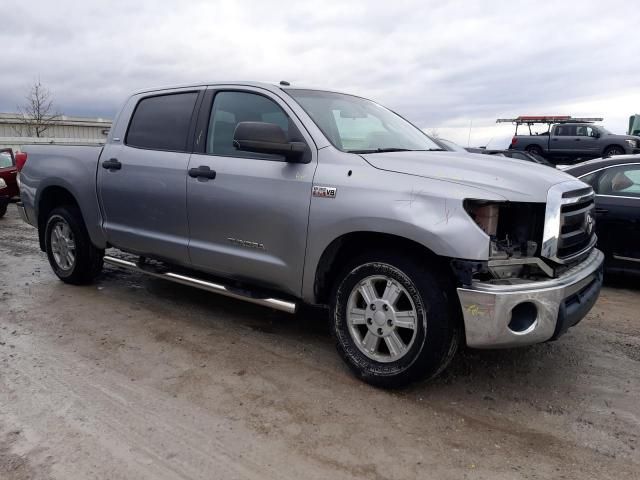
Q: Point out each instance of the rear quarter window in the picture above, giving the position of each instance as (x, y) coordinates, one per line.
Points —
(162, 122)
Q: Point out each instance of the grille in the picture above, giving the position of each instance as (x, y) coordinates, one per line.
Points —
(577, 227)
(569, 229)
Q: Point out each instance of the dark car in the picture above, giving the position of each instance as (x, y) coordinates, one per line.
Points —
(616, 182)
(526, 156)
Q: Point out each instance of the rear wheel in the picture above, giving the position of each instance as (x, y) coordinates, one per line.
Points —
(392, 320)
(71, 254)
(535, 149)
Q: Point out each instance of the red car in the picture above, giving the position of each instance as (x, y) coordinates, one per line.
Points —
(8, 182)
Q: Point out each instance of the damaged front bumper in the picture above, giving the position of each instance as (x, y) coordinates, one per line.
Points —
(514, 313)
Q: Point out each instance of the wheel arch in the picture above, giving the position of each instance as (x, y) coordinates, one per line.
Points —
(533, 146)
(613, 145)
(52, 197)
(344, 247)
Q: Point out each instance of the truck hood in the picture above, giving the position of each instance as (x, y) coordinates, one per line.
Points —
(515, 180)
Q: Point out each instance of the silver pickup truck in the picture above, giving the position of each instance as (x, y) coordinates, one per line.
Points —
(284, 196)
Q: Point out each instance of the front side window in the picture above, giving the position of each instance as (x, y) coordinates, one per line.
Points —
(586, 131)
(622, 181)
(357, 125)
(162, 122)
(231, 108)
(6, 160)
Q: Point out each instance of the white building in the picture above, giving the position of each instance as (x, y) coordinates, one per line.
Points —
(66, 130)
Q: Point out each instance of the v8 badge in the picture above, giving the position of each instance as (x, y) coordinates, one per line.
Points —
(324, 192)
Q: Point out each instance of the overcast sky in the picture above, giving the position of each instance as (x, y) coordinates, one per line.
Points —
(442, 64)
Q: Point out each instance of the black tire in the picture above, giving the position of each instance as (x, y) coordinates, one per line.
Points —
(88, 259)
(535, 149)
(437, 335)
(613, 150)
(3, 209)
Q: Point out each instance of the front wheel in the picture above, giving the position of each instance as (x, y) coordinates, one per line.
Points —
(611, 151)
(393, 320)
(3, 209)
(72, 256)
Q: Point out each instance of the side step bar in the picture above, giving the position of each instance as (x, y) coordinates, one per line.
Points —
(282, 305)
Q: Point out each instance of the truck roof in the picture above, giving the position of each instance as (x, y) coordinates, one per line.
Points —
(265, 85)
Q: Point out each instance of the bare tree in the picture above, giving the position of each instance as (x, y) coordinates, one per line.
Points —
(37, 114)
(434, 133)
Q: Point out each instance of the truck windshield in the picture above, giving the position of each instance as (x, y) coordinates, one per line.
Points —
(356, 125)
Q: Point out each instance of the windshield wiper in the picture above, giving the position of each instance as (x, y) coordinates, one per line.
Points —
(393, 149)
(381, 150)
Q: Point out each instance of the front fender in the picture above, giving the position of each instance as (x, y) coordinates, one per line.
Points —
(427, 211)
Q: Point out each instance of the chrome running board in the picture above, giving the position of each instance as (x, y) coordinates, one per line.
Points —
(282, 305)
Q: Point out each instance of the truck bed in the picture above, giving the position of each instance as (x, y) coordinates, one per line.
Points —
(72, 167)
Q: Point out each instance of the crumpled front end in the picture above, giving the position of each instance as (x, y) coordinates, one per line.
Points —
(520, 313)
(538, 281)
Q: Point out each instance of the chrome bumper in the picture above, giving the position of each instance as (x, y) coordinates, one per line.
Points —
(545, 308)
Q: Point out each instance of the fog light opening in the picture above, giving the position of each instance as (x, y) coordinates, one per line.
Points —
(523, 318)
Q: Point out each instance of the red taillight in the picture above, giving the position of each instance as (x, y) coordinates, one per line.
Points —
(514, 140)
(21, 159)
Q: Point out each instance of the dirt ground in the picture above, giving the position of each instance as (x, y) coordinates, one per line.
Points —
(136, 378)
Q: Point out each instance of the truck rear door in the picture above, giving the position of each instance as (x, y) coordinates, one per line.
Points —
(248, 212)
(142, 176)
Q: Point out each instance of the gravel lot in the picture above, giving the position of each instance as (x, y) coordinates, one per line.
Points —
(138, 378)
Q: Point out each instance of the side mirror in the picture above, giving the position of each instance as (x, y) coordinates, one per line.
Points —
(262, 137)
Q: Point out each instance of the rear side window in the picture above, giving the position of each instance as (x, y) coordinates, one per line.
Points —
(162, 122)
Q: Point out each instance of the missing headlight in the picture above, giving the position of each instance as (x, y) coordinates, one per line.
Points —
(485, 214)
(515, 232)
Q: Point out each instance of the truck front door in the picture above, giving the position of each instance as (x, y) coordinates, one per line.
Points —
(587, 141)
(142, 177)
(563, 140)
(248, 215)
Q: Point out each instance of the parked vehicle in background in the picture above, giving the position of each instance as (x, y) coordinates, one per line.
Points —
(616, 182)
(8, 183)
(4, 198)
(570, 139)
(279, 196)
(634, 125)
(449, 146)
(526, 156)
(9, 171)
